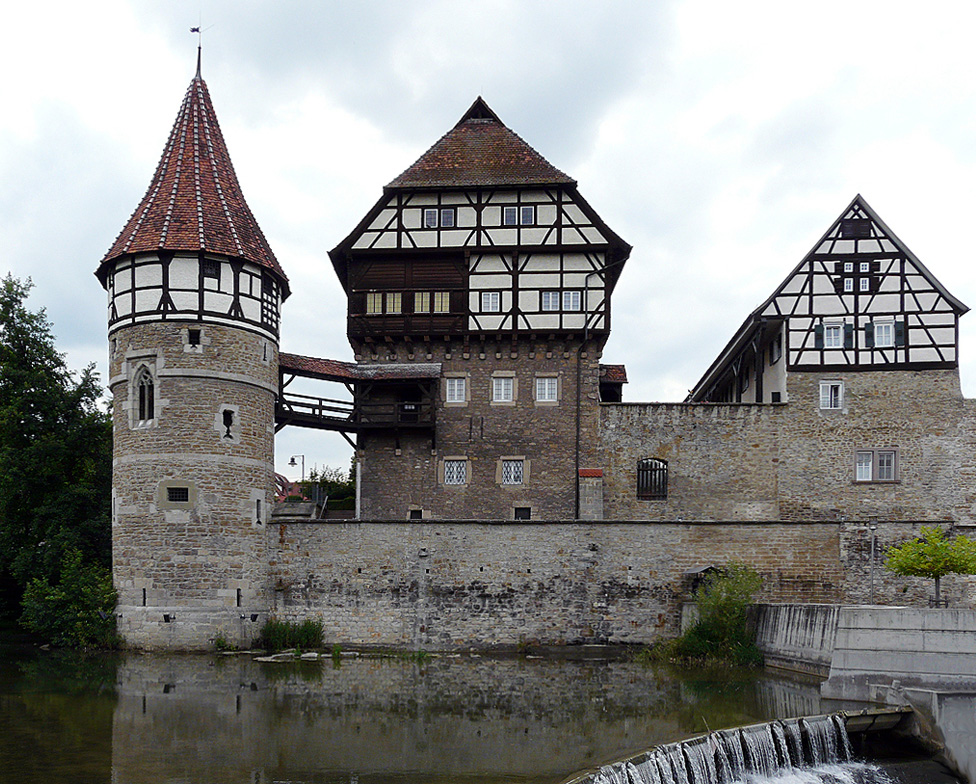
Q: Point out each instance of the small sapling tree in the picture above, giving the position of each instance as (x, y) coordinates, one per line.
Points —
(932, 554)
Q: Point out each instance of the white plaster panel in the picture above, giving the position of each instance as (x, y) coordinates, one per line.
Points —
(412, 218)
(491, 216)
(542, 262)
(452, 198)
(219, 302)
(574, 320)
(387, 239)
(503, 236)
(147, 300)
(423, 200)
(424, 239)
(454, 238)
(382, 219)
(888, 246)
(251, 308)
(184, 300)
(123, 279)
(868, 246)
(593, 235)
(889, 283)
(945, 319)
(927, 354)
(184, 273)
(149, 275)
(504, 197)
(528, 299)
(490, 322)
(544, 321)
(843, 246)
(579, 262)
(546, 214)
(927, 300)
(534, 235)
(572, 236)
(822, 285)
(824, 247)
(573, 213)
(577, 280)
(539, 281)
(467, 217)
(794, 285)
(122, 305)
(490, 264)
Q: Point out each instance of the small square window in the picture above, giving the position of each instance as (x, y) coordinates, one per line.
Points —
(178, 495)
(502, 390)
(550, 300)
(527, 216)
(848, 266)
(455, 390)
(491, 302)
(455, 472)
(848, 284)
(831, 394)
(210, 268)
(442, 302)
(512, 472)
(430, 219)
(865, 284)
(571, 300)
(833, 335)
(884, 334)
(510, 216)
(523, 513)
(546, 389)
(416, 514)
(865, 266)
(447, 217)
(193, 337)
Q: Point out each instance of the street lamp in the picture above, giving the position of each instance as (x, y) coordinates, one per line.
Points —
(293, 464)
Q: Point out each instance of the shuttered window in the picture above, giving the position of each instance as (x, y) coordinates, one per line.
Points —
(652, 478)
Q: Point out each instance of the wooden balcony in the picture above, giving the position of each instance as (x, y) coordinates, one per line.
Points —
(352, 416)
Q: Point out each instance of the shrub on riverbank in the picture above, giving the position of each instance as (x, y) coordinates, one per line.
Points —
(279, 635)
(722, 632)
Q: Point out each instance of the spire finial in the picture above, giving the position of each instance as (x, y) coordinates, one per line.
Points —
(199, 33)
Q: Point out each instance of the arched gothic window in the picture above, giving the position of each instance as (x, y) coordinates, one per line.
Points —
(147, 395)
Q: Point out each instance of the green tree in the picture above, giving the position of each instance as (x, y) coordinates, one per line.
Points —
(55, 453)
(339, 486)
(932, 554)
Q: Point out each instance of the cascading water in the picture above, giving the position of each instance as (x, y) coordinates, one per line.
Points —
(812, 750)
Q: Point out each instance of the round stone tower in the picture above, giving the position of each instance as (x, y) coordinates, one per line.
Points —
(194, 293)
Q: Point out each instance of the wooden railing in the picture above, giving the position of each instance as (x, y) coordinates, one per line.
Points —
(349, 416)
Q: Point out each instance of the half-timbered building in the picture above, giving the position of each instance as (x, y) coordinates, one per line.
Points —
(483, 261)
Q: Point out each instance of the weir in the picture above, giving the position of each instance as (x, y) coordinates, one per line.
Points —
(808, 750)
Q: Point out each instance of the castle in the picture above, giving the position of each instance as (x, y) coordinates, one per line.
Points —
(505, 492)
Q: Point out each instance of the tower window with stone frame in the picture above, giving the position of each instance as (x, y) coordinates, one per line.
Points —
(146, 392)
(546, 389)
(502, 389)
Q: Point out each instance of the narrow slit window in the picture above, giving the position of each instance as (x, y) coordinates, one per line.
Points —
(147, 397)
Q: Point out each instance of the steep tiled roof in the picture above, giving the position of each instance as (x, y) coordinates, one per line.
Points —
(194, 202)
(334, 370)
(480, 151)
(613, 374)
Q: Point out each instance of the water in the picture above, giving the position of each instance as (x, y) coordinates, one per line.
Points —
(216, 719)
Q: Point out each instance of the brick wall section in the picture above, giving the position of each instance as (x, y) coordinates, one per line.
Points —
(442, 585)
(190, 562)
(483, 432)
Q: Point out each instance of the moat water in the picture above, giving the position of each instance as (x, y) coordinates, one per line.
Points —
(466, 720)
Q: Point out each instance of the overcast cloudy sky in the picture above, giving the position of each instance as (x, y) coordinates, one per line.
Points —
(719, 139)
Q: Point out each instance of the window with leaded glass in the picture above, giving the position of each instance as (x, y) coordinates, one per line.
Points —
(512, 472)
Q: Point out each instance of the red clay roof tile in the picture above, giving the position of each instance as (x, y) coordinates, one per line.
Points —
(194, 202)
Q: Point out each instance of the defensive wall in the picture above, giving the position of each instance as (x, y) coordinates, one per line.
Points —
(455, 584)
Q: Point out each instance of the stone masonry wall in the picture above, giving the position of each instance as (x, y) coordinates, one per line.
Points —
(482, 432)
(441, 585)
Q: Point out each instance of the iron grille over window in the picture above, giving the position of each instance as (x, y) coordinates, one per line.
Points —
(179, 495)
(652, 478)
(455, 472)
(512, 472)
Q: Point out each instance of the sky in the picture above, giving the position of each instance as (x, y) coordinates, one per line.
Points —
(719, 139)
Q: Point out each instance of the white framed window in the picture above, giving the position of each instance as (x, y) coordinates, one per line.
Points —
(884, 334)
(848, 284)
(502, 389)
(430, 218)
(394, 302)
(865, 284)
(547, 389)
(491, 302)
(831, 394)
(442, 302)
(876, 465)
(550, 300)
(455, 390)
(510, 216)
(848, 266)
(374, 302)
(447, 217)
(833, 335)
(456, 472)
(527, 215)
(571, 300)
(865, 266)
(421, 302)
(513, 472)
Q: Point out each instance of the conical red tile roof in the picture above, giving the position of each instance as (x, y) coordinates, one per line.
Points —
(480, 151)
(194, 202)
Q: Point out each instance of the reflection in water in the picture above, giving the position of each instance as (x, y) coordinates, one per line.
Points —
(371, 721)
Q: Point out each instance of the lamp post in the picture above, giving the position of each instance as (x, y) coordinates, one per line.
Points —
(293, 463)
(874, 539)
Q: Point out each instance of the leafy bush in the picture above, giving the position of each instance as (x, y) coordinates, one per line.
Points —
(722, 630)
(78, 610)
(279, 635)
(932, 555)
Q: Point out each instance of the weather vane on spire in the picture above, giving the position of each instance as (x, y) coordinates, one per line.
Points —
(199, 31)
